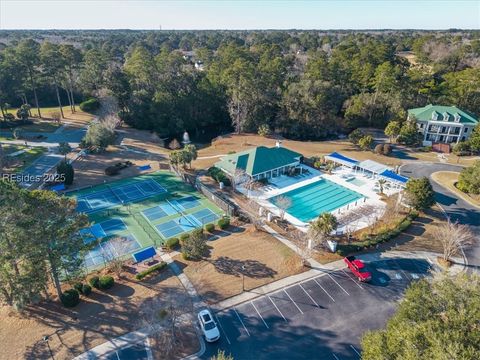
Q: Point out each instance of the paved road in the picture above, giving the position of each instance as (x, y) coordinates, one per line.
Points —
(457, 209)
(320, 318)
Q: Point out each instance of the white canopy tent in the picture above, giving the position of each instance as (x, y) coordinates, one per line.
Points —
(372, 166)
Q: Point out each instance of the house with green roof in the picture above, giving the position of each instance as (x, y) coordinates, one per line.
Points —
(260, 162)
(443, 124)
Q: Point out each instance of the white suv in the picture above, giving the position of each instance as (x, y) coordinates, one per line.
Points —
(208, 326)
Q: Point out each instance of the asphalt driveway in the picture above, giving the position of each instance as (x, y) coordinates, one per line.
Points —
(456, 209)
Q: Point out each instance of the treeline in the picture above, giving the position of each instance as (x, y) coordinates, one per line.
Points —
(301, 84)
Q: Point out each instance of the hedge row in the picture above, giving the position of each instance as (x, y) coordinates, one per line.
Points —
(102, 282)
(223, 223)
(219, 176)
(172, 243)
(382, 236)
(90, 105)
(155, 268)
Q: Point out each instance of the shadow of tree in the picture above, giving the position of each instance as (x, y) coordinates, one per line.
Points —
(249, 268)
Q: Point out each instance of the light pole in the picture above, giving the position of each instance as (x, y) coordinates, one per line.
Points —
(46, 339)
(243, 278)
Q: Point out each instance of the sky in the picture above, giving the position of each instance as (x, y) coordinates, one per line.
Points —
(240, 14)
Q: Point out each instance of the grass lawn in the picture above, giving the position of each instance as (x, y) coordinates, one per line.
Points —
(78, 118)
(98, 318)
(219, 275)
(448, 179)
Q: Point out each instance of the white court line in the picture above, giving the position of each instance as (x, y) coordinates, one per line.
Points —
(285, 291)
(118, 356)
(309, 295)
(277, 308)
(356, 283)
(321, 287)
(335, 281)
(261, 317)
(221, 327)
(335, 356)
(353, 348)
(239, 318)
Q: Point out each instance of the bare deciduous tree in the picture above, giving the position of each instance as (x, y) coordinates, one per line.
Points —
(238, 177)
(304, 245)
(118, 245)
(283, 203)
(453, 236)
(162, 323)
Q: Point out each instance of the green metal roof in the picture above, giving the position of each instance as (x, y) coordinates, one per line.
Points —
(258, 160)
(425, 114)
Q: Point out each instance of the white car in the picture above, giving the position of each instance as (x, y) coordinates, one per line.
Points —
(208, 326)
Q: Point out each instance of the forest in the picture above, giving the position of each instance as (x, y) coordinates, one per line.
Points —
(298, 84)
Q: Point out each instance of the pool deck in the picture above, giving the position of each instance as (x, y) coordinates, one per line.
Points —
(344, 214)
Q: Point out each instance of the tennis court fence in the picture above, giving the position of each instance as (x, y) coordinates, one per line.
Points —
(223, 203)
(147, 228)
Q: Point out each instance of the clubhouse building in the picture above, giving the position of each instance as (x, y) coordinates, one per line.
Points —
(261, 162)
(443, 124)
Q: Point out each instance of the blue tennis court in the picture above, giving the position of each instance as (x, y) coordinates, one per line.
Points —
(111, 249)
(186, 203)
(103, 229)
(178, 226)
(157, 212)
(119, 195)
(205, 216)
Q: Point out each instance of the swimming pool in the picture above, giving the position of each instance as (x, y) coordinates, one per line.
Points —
(309, 201)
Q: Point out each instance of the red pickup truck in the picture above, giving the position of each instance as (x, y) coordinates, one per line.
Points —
(358, 268)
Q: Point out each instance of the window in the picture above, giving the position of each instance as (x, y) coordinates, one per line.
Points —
(466, 130)
(446, 116)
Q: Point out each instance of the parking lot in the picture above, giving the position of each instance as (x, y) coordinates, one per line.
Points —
(319, 318)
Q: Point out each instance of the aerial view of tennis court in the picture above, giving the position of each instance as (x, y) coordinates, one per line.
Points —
(131, 214)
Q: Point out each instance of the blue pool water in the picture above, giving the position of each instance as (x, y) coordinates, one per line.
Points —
(309, 201)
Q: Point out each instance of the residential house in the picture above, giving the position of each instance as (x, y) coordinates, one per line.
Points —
(443, 124)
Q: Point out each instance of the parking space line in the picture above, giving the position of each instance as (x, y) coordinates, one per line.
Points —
(294, 303)
(224, 332)
(261, 317)
(356, 283)
(276, 307)
(309, 295)
(239, 318)
(335, 356)
(335, 281)
(321, 287)
(118, 356)
(353, 348)
(400, 268)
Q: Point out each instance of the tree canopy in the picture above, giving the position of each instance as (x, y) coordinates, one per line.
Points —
(300, 84)
(436, 320)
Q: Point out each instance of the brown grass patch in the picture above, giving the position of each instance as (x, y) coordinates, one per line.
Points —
(90, 170)
(101, 316)
(232, 142)
(219, 276)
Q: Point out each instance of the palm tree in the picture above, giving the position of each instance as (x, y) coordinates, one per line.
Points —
(382, 184)
(323, 226)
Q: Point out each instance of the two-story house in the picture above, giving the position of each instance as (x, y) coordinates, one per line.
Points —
(443, 124)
